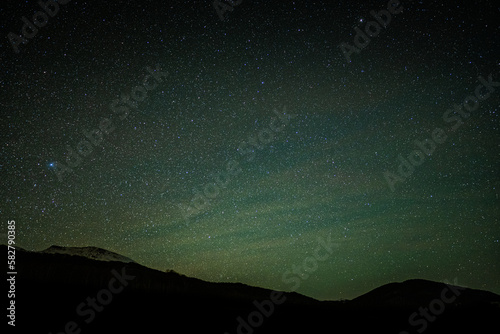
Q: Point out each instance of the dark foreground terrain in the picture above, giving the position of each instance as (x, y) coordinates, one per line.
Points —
(60, 293)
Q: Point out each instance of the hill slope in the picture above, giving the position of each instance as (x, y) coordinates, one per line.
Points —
(54, 289)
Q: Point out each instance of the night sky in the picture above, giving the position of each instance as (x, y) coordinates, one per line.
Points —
(223, 149)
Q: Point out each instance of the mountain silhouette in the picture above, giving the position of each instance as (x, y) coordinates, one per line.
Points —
(420, 292)
(58, 292)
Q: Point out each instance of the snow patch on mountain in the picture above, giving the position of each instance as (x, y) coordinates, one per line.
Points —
(93, 253)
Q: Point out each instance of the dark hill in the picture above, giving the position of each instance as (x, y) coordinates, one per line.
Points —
(421, 292)
(54, 291)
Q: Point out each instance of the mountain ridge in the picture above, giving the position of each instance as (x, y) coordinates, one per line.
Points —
(63, 282)
(101, 254)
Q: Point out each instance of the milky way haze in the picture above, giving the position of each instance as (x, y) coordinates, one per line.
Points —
(223, 141)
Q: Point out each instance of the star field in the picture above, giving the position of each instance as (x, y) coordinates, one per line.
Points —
(171, 99)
